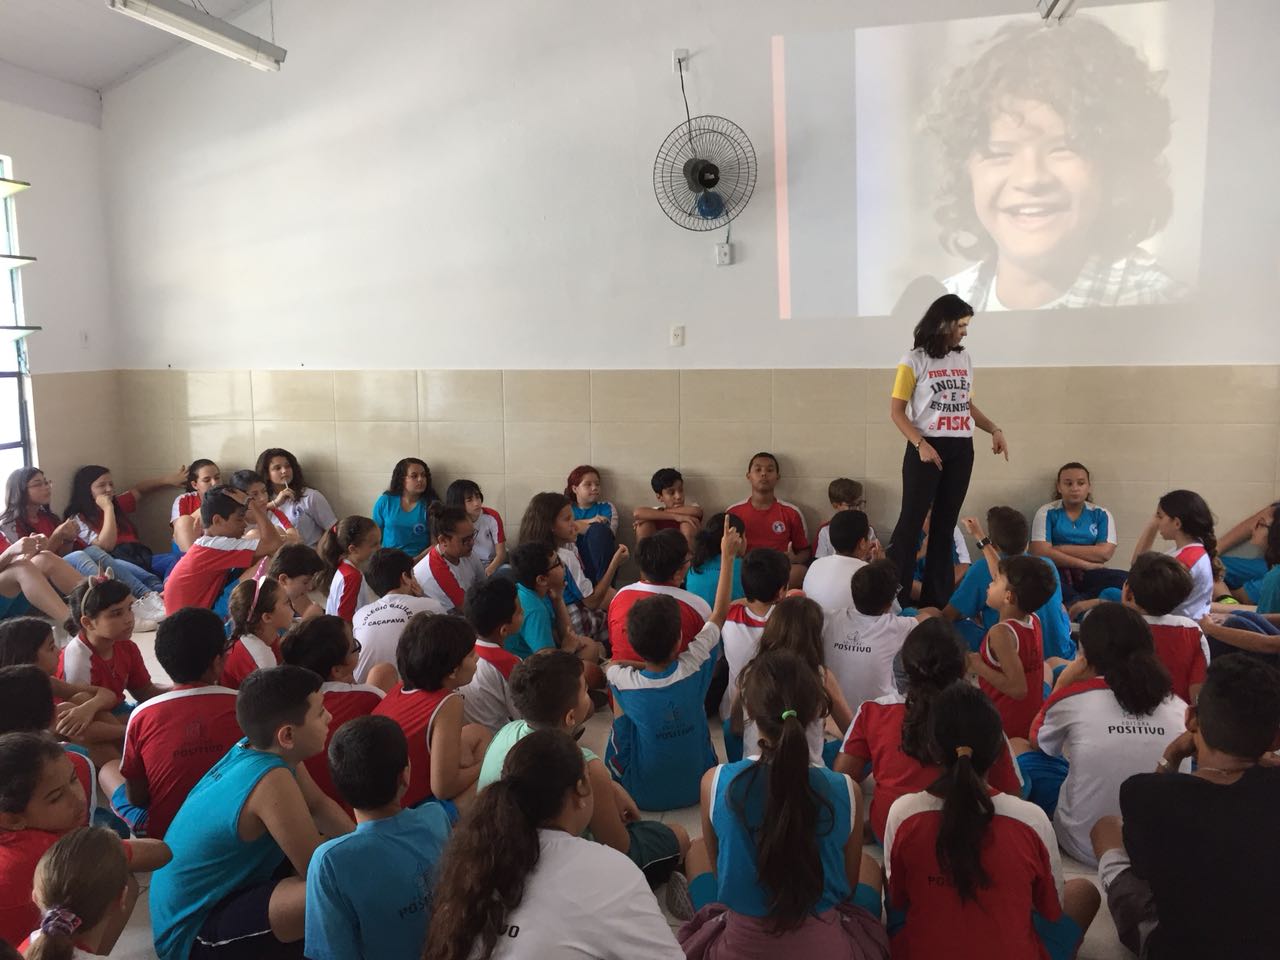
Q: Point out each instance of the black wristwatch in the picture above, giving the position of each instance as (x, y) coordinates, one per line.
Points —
(984, 543)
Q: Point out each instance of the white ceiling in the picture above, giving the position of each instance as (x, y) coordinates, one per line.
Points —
(85, 43)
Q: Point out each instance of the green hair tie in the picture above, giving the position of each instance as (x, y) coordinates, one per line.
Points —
(787, 714)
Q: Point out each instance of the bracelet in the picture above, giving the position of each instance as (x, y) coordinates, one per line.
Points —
(918, 442)
(995, 430)
(984, 543)
(1163, 764)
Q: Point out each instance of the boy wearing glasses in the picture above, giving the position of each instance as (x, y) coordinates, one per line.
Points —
(844, 494)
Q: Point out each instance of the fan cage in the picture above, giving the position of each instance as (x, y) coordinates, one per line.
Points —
(712, 138)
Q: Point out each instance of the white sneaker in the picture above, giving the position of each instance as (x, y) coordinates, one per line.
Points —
(147, 612)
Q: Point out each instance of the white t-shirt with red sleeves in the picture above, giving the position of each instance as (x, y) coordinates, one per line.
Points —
(860, 649)
(740, 639)
(1195, 558)
(377, 627)
(247, 654)
(125, 532)
(778, 527)
(348, 592)
(694, 612)
(489, 534)
(486, 700)
(938, 391)
(1105, 745)
(184, 504)
(1182, 648)
(828, 581)
(448, 582)
(126, 670)
(201, 575)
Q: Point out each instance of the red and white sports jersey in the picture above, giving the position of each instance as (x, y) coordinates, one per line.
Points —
(247, 654)
(126, 670)
(173, 740)
(20, 851)
(1016, 715)
(447, 582)
(348, 592)
(415, 710)
(489, 534)
(1106, 746)
(487, 698)
(88, 777)
(279, 519)
(1196, 559)
(125, 532)
(693, 615)
(201, 575)
(859, 650)
(740, 637)
(779, 527)
(1020, 856)
(1182, 648)
(344, 701)
(184, 504)
(44, 524)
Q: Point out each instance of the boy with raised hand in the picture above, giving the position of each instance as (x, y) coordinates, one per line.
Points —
(771, 522)
(664, 561)
(671, 513)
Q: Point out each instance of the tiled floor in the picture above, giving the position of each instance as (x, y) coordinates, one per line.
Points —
(1100, 942)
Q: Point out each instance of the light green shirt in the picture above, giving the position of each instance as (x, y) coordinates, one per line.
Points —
(500, 746)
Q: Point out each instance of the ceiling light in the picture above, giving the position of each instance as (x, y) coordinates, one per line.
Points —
(194, 25)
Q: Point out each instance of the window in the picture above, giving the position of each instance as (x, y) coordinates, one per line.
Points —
(15, 431)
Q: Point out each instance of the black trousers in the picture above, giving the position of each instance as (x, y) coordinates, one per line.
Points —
(924, 486)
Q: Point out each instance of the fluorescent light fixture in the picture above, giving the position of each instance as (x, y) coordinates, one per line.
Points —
(173, 16)
(1055, 9)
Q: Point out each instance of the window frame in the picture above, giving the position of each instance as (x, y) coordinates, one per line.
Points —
(22, 371)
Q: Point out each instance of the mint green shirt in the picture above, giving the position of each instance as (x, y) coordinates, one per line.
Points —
(500, 746)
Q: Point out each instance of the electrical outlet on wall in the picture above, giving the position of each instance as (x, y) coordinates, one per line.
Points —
(677, 335)
(724, 254)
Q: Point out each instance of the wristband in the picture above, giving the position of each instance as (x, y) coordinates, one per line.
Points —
(984, 543)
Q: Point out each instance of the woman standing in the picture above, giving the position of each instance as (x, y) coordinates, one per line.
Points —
(932, 406)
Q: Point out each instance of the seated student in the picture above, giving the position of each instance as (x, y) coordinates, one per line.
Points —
(24, 585)
(671, 513)
(704, 564)
(436, 657)
(260, 614)
(545, 621)
(1157, 583)
(349, 918)
(1183, 517)
(780, 861)
(344, 549)
(493, 610)
(174, 739)
(490, 547)
(450, 567)
(207, 572)
(1077, 535)
(295, 567)
(1010, 662)
(664, 560)
(401, 512)
(660, 745)
(1111, 713)
(972, 874)
(254, 811)
(518, 879)
(889, 736)
(1242, 573)
(1169, 890)
(827, 580)
(324, 646)
(1258, 632)
(184, 516)
(959, 557)
(377, 626)
(595, 520)
(102, 518)
(968, 603)
(102, 652)
(254, 487)
(843, 494)
(550, 691)
(771, 522)
(306, 507)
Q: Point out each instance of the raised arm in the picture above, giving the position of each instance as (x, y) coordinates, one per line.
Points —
(176, 479)
(730, 543)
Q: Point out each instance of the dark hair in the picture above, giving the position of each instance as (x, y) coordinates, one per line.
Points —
(495, 848)
(1007, 529)
(338, 539)
(194, 468)
(765, 455)
(1117, 643)
(188, 641)
(545, 686)
(400, 472)
(242, 480)
(844, 490)
(8, 951)
(788, 860)
(22, 759)
(83, 504)
(933, 332)
(874, 586)
(299, 484)
(795, 624)
(64, 879)
(531, 561)
(1239, 706)
(933, 658)
(1189, 508)
(968, 736)
(445, 520)
(90, 598)
(576, 476)
(1158, 583)
(249, 602)
(455, 495)
(271, 698)
(21, 639)
(320, 645)
(1031, 581)
(367, 757)
(1073, 465)
(847, 529)
(765, 574)
(295, 560)
(662, 554)
(540, 516)
(665, 479)
(490, 605)
(432, 646)
(1110, 101)
(1271, 555)
(706, 542)
(386, 570)
(17, 499)
(216, 502)
(26, 699)
(653, 627)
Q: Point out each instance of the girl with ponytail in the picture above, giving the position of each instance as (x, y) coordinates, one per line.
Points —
(889, 737)
(84, 894)
(973, 872)
(344, 548)
(1183, 517)
(518, 880)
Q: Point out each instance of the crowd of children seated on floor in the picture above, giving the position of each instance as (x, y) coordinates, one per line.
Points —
(396, 773)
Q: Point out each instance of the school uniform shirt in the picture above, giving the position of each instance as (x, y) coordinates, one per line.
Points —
(415, 710)
(310, 515)
(43, 525)
(660, 746)
(348, 592)
(344, 701)
(815, 733)
(876, 733)
(537, 632)
(202, 573)
(87, 774)
(584, 899)
(1054, 526)
(506, 738)
(823, 547)
(349, 919)
(448, 582)
(1085, 723)
(1020, 856)
(602, 508)
(970, 598)
(1017, 715)
(173, 740)
(1182, 648)
(20, 851)
(125, 531)
(828, 581)
(702, 581)
(126, 670)
(1196, 559)
(489, 533)
(184, 504)
(1269, 591)
(740, 637)
(694, 612)
(778, 526)
(860, 649)
(937, 391)
(577, 585)
(377, 627)
(407, 530)
(487, 698)
(247, 654)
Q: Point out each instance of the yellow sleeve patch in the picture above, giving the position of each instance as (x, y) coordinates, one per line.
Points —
(904, 383)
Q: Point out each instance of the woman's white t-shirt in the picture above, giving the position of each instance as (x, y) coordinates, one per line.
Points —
(937, 391)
